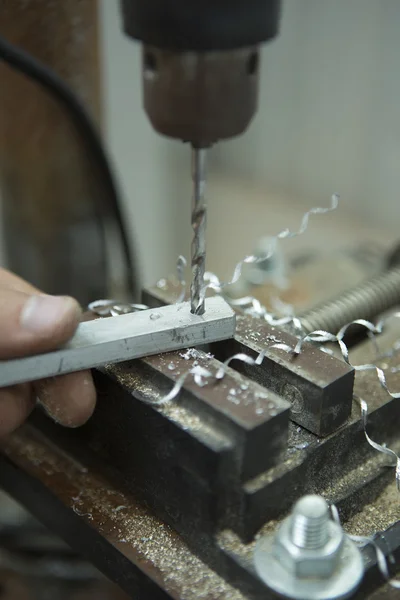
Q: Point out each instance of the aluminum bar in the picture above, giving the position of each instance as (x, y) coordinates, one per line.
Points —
(126, 337)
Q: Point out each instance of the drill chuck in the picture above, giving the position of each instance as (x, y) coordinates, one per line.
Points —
(201, 63)
(200, 97)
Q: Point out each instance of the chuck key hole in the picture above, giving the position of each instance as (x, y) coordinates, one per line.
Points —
(253, 63)
(150, 63)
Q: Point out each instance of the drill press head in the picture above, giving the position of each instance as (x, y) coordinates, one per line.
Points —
(201, 63)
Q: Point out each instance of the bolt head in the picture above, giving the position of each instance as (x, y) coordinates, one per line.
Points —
(320, 563)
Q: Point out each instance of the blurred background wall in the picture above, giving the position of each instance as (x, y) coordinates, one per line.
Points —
(329, 109)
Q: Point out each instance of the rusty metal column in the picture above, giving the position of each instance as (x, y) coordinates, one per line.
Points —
(47, 182)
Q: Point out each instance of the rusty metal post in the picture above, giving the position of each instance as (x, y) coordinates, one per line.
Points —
(47, 181)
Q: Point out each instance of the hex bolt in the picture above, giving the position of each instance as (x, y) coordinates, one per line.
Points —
(366, 300)
(310, 557)
(310, 523)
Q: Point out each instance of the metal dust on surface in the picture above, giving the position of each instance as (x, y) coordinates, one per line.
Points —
(119, 518)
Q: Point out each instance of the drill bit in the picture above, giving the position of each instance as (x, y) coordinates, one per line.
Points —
(199, 216)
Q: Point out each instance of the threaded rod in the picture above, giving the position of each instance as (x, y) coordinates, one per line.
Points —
(368, 299)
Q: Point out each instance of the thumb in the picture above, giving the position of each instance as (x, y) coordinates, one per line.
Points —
(36, 323)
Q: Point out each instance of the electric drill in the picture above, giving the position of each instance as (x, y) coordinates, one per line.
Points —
(200, 70)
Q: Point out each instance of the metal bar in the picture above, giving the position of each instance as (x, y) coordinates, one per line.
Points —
(126, 337)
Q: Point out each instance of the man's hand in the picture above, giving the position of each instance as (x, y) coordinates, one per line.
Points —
(31, 323)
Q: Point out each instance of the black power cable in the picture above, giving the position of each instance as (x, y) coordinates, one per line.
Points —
(52, 83)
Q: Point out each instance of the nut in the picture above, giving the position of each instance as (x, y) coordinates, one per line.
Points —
(310, 556)
(319, 562)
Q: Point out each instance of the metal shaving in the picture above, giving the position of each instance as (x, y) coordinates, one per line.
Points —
(113, 308)
(217, 286)
(378, 447)
(362, 541)
(248, 359)
(201, 375)
(321, 336)
(254, 308)
(251, 305)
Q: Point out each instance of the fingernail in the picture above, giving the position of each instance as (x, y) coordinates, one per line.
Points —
(42, 312)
